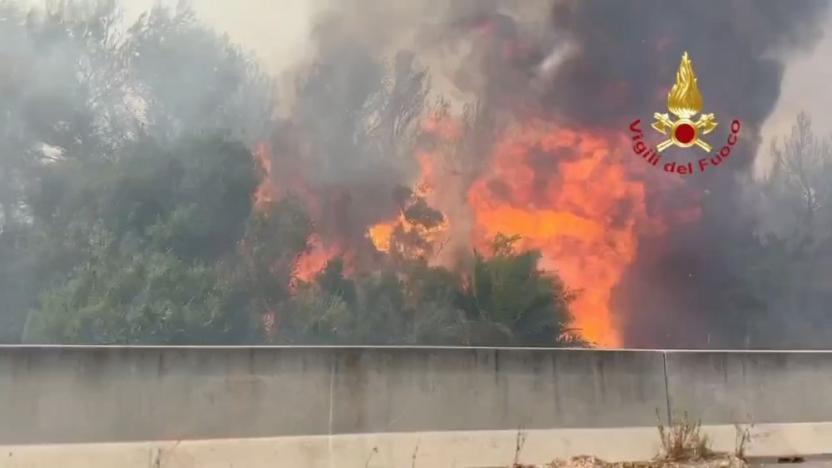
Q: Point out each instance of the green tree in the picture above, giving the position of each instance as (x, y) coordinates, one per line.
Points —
(190, 79)
(192, 196)
(147, 245)
(434, 297)
(121, 296)
(275, 237)
(63, 95)
(506, 300)
(126, 187)
(512, 301)
(789, 270)
(797, 189)
(96, 132)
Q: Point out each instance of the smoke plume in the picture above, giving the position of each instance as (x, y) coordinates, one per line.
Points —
(424, 130)
(593, 65)
(675, 294)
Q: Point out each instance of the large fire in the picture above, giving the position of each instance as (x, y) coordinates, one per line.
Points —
(563, 194)
(560, 190)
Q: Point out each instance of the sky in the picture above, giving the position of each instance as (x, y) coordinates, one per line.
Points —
(275, 31)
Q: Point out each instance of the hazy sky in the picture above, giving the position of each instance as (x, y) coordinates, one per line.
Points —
(276, 31)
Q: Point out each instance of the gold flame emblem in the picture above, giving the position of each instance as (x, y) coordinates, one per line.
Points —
(684, 101)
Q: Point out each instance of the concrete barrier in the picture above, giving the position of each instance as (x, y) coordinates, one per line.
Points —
(466, 406)
(751, 387)
(102, 394)
(452, 449)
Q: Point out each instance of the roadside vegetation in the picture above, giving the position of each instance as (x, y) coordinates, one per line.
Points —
(683, 445)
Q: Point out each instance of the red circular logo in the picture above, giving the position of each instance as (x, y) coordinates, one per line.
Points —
(685, 133)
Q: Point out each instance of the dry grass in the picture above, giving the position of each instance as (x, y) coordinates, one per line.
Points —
(684, 441)
(683, 445)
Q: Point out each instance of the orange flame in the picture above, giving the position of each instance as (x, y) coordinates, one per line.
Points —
(311, 262)
(583, 219)
(381, 233)
(562, 191)
(443, 129)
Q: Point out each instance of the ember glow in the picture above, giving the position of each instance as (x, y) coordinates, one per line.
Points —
(315, 259)
(381, 233)
(408, 238)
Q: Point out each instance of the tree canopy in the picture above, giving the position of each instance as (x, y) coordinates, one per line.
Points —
(126, 199)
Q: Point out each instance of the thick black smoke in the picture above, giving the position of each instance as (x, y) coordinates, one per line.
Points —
(628, 54)
(683, 289)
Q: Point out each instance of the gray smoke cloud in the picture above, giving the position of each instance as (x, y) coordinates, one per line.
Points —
(594, 64)
(375, 70)
(345, 139)
(373, 67)
(681, 291)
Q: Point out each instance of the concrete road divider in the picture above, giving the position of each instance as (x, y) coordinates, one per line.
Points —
(331, 406)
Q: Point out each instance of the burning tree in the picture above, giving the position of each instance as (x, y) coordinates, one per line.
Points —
(458, 180)
(156, 235)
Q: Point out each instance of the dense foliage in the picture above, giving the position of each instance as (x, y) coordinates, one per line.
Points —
(126, 211)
